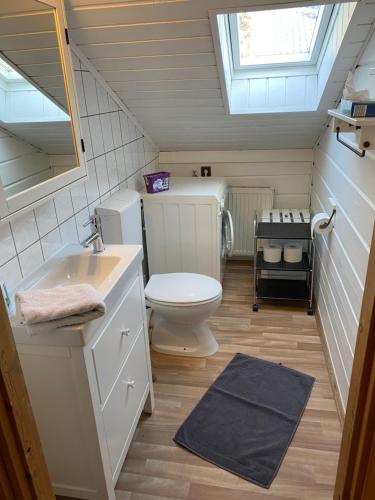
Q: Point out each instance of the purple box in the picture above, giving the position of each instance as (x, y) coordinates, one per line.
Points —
(159, 181)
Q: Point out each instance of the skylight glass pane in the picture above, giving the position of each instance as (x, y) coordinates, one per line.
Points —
(8, 73)
(278, 36)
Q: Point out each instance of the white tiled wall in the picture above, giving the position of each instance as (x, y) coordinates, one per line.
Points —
(117, 156)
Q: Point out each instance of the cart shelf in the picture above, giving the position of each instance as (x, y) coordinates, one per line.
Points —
(269, 287)
(283, 230)
(276, 289)
(262, 265)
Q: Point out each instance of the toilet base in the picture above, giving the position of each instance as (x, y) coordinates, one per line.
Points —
(182, 339)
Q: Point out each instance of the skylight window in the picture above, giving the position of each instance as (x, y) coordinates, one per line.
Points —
(8, 73)
(278, 37)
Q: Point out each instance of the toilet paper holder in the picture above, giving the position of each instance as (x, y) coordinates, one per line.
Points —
(324, 225)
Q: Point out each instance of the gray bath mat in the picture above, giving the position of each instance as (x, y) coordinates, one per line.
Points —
(247, 418)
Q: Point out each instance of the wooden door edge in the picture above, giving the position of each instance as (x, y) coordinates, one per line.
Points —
(355, 463)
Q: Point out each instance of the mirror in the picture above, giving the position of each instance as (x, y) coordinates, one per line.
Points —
(38, 143)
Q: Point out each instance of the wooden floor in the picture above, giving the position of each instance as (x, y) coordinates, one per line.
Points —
(157, 469)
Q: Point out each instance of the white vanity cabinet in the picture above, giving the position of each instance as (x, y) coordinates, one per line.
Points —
(88, 389)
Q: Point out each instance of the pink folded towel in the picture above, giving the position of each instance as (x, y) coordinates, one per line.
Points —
(46, 310)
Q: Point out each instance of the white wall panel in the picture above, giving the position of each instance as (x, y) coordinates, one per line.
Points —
(342, 256)
(21, 163)
(288, 172)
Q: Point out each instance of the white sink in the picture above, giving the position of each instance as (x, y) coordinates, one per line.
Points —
(106, 271)
(75, 269)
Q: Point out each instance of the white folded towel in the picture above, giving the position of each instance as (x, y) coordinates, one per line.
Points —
(46, 310)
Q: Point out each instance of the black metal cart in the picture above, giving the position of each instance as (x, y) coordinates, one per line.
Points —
(271, 288)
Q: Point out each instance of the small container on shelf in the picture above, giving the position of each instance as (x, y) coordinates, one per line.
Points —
(293, 253)
(157, 182)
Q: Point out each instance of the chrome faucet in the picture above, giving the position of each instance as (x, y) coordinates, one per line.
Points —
(95, 238)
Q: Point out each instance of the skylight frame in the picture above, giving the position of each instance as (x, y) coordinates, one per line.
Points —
(319, 36)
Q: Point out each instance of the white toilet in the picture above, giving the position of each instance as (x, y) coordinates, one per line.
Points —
(181, 302)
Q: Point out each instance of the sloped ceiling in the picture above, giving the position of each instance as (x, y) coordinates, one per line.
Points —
(53, 138)
(26, 28)
(158, 55)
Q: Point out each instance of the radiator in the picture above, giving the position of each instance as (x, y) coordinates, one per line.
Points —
(244, 203)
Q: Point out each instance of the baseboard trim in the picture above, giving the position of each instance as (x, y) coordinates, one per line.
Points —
(331, 373)
(241, 257)
(74, 492)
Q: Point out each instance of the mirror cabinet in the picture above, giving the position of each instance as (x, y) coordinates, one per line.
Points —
(41, 146)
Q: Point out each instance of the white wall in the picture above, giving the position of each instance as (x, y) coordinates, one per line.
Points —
(117, 153)
(29, 105)
(287, 171)
(342, 257)
(20, 162)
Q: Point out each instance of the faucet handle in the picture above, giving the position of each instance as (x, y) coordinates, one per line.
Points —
(92, 220)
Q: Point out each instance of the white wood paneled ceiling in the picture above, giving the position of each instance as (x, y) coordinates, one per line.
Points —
(158, 56)
(28, 39)
(53, 138)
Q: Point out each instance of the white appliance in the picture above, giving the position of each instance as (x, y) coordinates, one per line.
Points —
(188, 228)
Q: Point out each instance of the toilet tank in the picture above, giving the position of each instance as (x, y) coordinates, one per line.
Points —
(120, 218)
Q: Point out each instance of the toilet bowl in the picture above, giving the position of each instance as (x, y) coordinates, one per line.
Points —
(181, 303)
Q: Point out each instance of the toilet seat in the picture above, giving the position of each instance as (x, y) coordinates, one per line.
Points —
(182, 289)
(181, 304)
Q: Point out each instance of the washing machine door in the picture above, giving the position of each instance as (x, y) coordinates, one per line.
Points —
(227, 234)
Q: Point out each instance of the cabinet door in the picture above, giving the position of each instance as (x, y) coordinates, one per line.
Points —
(115, 342)
(41, 147)
(125, 403)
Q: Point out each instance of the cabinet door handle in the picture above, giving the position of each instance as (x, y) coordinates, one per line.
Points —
(125, 332)
(131, 383)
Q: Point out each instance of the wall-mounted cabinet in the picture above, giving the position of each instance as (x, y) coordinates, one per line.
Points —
(41, 147)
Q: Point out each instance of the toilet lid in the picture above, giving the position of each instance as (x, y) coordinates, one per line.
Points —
(182, 288)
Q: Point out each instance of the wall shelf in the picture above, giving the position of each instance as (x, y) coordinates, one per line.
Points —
(363, 128)
(357, 122)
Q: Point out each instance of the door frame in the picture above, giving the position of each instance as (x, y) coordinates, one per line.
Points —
(23, 469)
(356, 469)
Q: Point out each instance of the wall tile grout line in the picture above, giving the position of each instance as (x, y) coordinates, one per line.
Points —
(39, 237)
(15, 246)
(100, 114)
(114, 149)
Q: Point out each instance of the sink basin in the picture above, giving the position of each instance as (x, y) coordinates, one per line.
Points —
(108, 272)
(76, 269)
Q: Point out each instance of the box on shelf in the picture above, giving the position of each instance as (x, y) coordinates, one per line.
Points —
(157, 182)
(285, 215)
(358, 109)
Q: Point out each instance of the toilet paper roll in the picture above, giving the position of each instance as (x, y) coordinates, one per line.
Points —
(292, 252)
(317, 222)
(272, 252)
